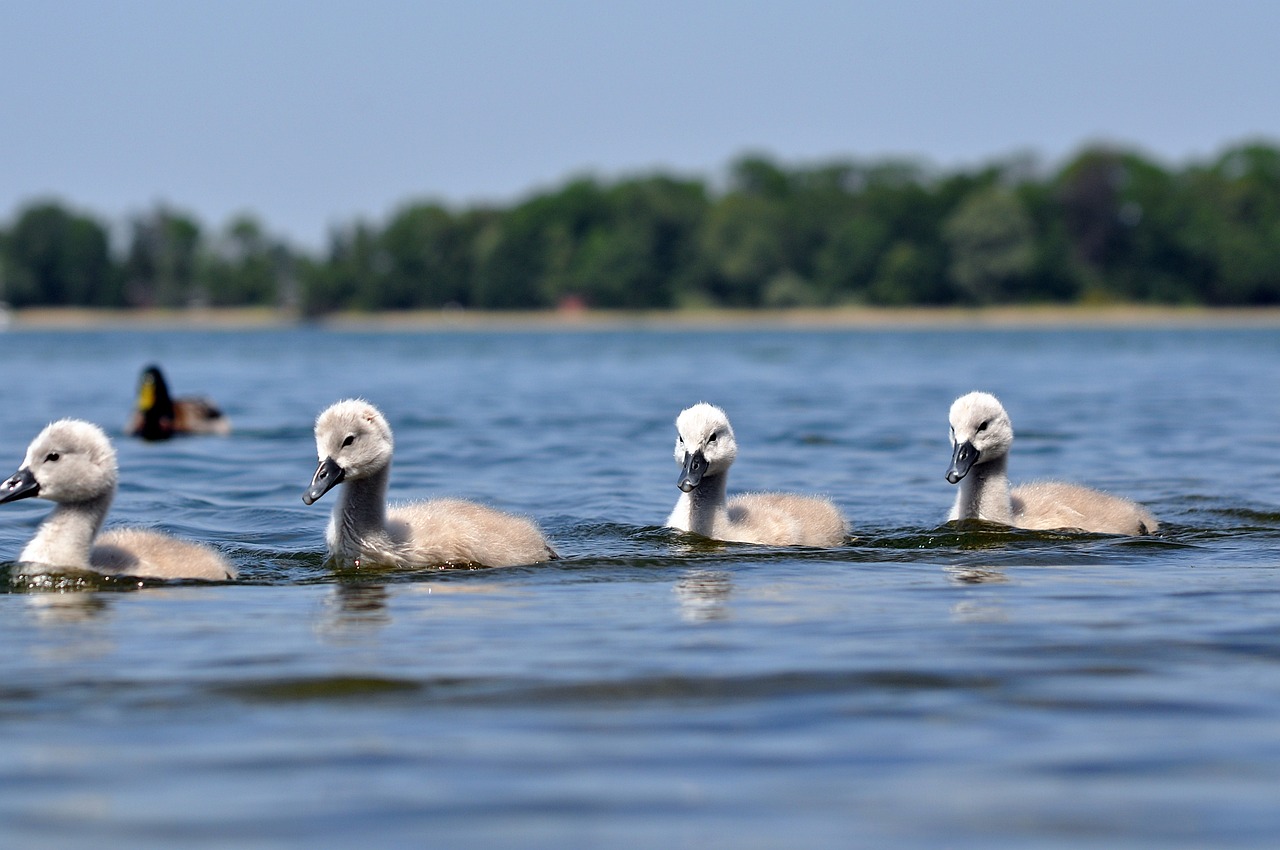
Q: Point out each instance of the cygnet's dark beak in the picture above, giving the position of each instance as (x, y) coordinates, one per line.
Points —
(695, 466)
(327, 476)
(21, 485)
(961, 461)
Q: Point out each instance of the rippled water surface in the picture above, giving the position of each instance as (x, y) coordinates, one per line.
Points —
(923, 686)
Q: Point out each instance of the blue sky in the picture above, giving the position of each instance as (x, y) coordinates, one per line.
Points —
(311, 113)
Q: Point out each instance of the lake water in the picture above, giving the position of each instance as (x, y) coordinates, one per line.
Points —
(923, 686)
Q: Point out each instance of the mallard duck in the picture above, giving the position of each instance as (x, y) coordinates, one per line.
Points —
(159, 416)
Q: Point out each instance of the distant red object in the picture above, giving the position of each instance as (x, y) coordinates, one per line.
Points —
(572, 304)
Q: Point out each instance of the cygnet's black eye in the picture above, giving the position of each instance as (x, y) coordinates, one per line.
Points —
(679, 439)
(52, 456)
(712, 438)
(983, 426)
(351, 438)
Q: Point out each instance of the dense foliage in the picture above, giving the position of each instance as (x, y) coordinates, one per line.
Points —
(1109, 225)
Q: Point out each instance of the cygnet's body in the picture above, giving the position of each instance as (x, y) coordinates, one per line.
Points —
(705, 449)
(159, 416)
(73, 464)
(981, 435)
(354, 445)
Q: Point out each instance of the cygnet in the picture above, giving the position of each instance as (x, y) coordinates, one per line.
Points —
(73, 464)
(981, 435)
(705, 449)
(354, 446)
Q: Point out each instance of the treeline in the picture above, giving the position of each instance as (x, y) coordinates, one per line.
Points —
(1110, 225)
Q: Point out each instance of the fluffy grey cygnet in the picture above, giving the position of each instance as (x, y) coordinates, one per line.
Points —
(73, 464)
(981, 435)
(705, 449)
(354, 446)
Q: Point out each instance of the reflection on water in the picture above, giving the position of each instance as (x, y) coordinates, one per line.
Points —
(977, 610)
(51, 609)
(975, 575)
(72, 625)
(974, 611)
(353, 609)
(704, 595)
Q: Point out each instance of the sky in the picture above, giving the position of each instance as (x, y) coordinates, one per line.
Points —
(313, 114)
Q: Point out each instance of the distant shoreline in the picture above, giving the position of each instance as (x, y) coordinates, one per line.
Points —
(1053, 316)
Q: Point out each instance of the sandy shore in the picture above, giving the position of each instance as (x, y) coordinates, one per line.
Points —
(844, 317)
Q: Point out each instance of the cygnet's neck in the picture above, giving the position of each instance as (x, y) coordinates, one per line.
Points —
(984, 493)
(65, 538)
(699, 510)
(360, 513)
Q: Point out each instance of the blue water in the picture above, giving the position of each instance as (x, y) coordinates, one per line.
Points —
(923, 686)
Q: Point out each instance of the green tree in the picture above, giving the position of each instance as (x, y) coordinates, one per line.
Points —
(638, 250)
(509, 259)
(992, 245)
(743, 242)
(846, 264)
(428, 257)
(245, 267)
(160, 269)
(58, 258)
(909, 273)
(1238, 226)
(1110, 224)
(886, 246)
(348, 278)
